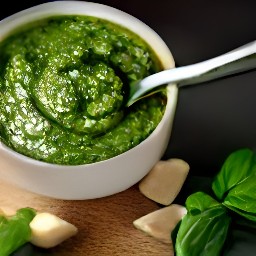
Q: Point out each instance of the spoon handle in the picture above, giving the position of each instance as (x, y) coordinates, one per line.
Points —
(236, 61)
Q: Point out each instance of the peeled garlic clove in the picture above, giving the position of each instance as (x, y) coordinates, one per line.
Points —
(160, 223)
(163, 183)
(48, 230)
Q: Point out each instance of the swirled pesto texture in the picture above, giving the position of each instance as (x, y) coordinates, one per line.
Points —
(63, 85)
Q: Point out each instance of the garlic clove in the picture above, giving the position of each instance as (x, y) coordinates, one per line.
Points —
(160, 223)
(165, 180)
(48, 230)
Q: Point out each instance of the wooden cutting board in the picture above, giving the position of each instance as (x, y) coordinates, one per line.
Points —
(104, 225)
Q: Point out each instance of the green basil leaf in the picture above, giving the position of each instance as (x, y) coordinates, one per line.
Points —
(237, 167)
(242, 198)
(202, 232)
(200, 201)
(15, 231)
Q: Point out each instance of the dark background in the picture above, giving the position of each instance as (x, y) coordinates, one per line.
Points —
(212, 119)
(215, 118)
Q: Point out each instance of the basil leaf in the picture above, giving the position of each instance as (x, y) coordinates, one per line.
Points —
(202, 232)
(200, 201)
(242, 198)
(15, 230)
(237, 167)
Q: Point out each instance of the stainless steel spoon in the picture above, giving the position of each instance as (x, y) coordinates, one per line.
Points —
(236, 61)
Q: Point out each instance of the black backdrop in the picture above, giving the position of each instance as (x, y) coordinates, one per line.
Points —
(212, 119)
(217, 117)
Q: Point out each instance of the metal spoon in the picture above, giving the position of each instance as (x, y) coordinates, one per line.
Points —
(238, 60)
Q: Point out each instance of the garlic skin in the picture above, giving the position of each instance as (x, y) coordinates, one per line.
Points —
(165, 180)
(160, 223)
(48, 230)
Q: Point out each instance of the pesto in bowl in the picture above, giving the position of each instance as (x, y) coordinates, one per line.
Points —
(63, 86)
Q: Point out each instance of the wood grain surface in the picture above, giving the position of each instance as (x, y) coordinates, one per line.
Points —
(105, 225)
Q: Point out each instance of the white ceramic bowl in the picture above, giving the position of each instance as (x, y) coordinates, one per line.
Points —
(102, 178)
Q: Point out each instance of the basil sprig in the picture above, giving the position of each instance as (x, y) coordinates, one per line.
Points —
(15, 230)
(203, 230)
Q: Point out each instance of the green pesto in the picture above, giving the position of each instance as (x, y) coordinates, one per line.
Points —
(63, 86)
